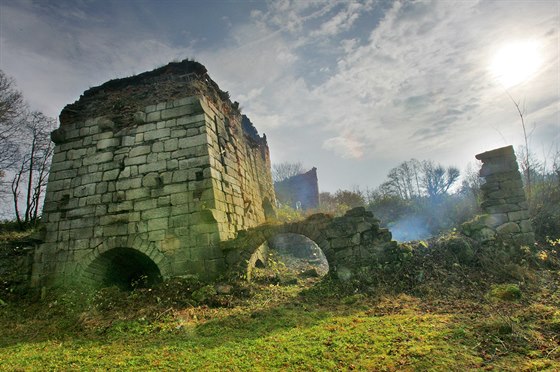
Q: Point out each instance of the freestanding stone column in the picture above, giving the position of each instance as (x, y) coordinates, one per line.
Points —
(504, 203)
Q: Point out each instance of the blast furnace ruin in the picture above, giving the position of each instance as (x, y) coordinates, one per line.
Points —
(149, 174)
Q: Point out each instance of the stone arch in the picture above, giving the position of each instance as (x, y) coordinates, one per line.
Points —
(122, 267)
(254, 253)
(353, 244)
(101, 266)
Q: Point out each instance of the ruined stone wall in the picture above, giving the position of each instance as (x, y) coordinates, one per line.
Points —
(353, 244)
(505, 208)
(301, 190)
(157, 164)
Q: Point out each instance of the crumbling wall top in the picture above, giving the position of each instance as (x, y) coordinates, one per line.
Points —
(121, 98)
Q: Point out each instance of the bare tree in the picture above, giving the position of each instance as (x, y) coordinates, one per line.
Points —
(30, 178)
(436, 179)
(282, 171)
(404, 180)
(12, 108)
(526, 162)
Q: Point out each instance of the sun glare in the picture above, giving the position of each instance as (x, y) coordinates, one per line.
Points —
(516, 62)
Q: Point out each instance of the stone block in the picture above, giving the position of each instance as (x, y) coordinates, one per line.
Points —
(186, 101)
(495, 220)
(71, 173)
(197, 162)
(111, 175)
(156, 213)
(157, 166)
(128, 141)
(192, 120)
(181, 198)
(85, 190)
(171, 144)
(131, 183)
(101, 157)
(172, 164)
(113, 219)
(115, 230)
(107, 143)
(158, 224)
(139, 150)
(61, 166)
(163, 156)
(76, 154)
(135, 160)
(178, 111)
(502, 208)
(153, 116)
(105, 124)
(152, 179)
(120, 207)
(157, 134)
(174, 188)
(139, 117)
(142, 205)
(157, 147)
(93, 200)
(197, 140)
(102, 136)
(59, 157)
(156, 235)
(508, 228)
(140, 193)
(81, 212)
(518, 215)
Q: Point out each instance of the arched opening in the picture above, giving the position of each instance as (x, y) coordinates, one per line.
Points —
(288, 258)
(125, 268)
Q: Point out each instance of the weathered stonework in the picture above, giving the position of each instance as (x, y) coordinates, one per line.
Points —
(505, 208)
(156, 168)
(353, 244)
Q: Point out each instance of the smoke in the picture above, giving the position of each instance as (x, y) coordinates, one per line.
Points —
(410, 228)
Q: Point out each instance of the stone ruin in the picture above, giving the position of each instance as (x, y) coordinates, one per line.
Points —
(160, 175)
(300, 191)
(505, 210)
(149, 174)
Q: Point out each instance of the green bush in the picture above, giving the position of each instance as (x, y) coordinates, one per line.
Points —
(505, 292)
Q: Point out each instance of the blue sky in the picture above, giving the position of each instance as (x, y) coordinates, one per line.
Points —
(351, 87)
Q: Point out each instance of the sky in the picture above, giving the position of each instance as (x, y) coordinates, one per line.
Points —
(353, 88)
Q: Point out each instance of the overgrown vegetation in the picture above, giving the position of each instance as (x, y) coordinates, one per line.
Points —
(443, 304)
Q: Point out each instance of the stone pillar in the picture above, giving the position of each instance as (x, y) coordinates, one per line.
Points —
(504, 204)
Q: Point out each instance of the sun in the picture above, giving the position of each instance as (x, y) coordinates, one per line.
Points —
(516, 62)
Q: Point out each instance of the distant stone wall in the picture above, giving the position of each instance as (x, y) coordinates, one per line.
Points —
(300, 191)
(505, 208)
(160, 183)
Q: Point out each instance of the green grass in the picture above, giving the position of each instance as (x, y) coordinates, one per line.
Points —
(288, 328)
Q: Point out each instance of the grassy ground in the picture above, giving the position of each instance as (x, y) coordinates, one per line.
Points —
(276, 324)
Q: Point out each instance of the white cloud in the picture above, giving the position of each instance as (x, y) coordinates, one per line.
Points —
(380, 82)
(347, 148)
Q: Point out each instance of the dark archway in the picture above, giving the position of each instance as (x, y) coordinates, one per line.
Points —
(125, 268)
